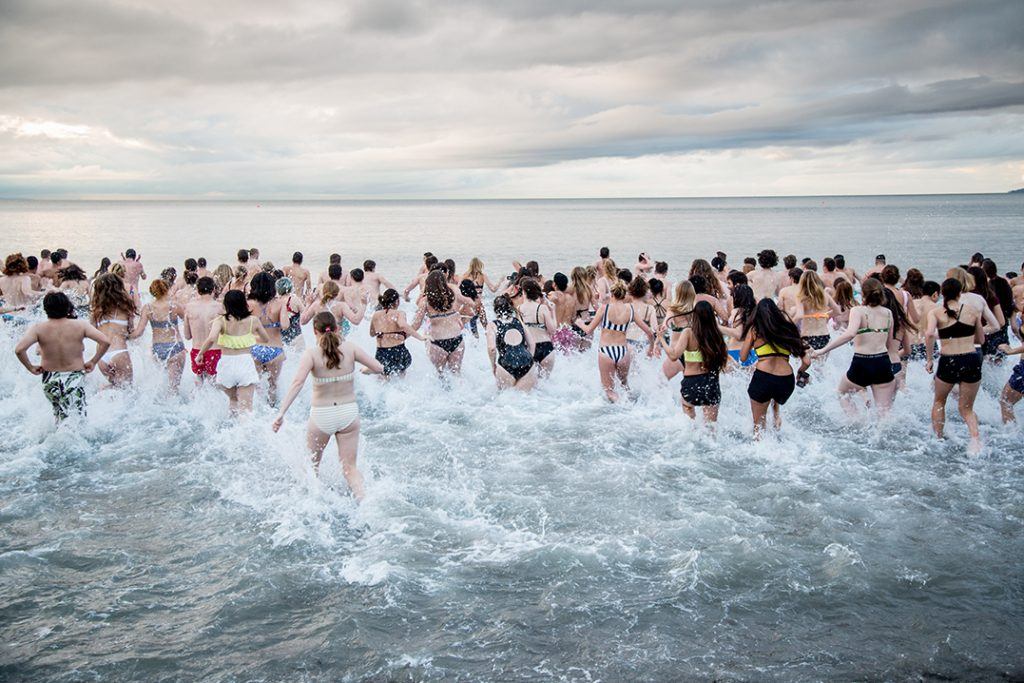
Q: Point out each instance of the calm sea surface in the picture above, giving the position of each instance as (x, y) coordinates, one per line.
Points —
(543, 537)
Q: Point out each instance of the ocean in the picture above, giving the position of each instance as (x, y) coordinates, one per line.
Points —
(548, 536)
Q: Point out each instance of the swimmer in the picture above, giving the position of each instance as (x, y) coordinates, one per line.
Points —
(473, 314)
(374, 281)
(774, 338)
(995, 338)
(877, 268)
(1013, 390)
(614, 356)
(133, 272)
(333, 410)
(510, 348)
(430, 262)
(743, 306)
(871, 330)
(814, 308)
(765, 281)
(958, 327)
(391, 328)
(713, 287)
(15, 284)
(62, 365)
(292, 332)
(273, 317)
(536, 314)
(677, 319)
(298, 275)
(638, 290)
(476, 274)
(113, 314)
(441, 307)
(162, 314)
(199, 316)
(902, 330)
(704, 356)
(643, 265)
(925, 298)
(842, 294)
(788, 290)
(234, 334)
(329, 301)
(222, 276)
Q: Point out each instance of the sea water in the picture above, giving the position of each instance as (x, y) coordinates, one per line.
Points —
(547, 536)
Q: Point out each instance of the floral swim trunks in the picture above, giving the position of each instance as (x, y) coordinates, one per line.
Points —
(66, 391)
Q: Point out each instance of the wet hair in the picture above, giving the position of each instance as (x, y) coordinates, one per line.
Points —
(718, 264)
(872, 292)
(329, 292)
(439, 295)
(890, 275)
(503, 307)
(356, 274)
(913, 283)
(768, 258)
(130, 253)
(619, 290)
(205, 285)
(235, 305)
(468, 289)
(334, 271)
(638, 288)
(581, 286)
(656, 286)
(789, 261)
(104, 267)
(560, 281)
(261, 288)
(191, 264)
(158, 288)
(773, 326)
(169, 275)
(829, 263)
(190, 277)
(625, 275)
(811, 264)
(899, 315)
(840, 261)
(201, 262)
(743, 300)
(700, 284)
(15, 264)
(369, 265)
(704, 328)
(389, 299)
(532, 289)
(711, 282)
(604, 252)
(737, 277)
(33, 262)
(951, 289)
(334, 258)
(57, 305)
(661, 267)
(326, 327)
(931, 287)
(72, 273)
(297, 258)
(449, 265)
(109, 297)
(284, 286)
(795, 274)
(811, 291)
(243, 255)
(682, 299)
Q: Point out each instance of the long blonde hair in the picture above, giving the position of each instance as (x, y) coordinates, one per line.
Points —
(611, 273)
(581, 286)
(965, 278)
(329, 292)
(811, 291)
(476, 269)
(682, 299)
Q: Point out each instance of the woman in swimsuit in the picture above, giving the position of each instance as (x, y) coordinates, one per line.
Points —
(614, 357)
(329, 302)
(704, 356)
(273, 316)
(902, 330)
(958, 328)
(637, 297)
(75, 284)
(677, 319)
(476, 275)
(582, 291)
(333, 410)
(235, 333)
(608, 276)
(814, 307)
(536, 314)
(391, 329)
(511, 348)
(162, 315)
(660, 303)
(473, 312)
(713, 286)
(113, 314)
(993, 340)
(222, 275)
(440, 305)
(843, 296)
(16, 285)
(774, 338)
(743, 306)
(871, 330)
(291, 334)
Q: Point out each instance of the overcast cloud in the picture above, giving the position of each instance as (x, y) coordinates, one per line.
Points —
(481, 98)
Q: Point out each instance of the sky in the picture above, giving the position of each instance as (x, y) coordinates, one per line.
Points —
(509, 98)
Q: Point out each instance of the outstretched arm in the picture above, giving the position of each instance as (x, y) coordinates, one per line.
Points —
(305, 367)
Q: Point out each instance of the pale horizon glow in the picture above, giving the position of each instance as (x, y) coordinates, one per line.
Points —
(476, 99)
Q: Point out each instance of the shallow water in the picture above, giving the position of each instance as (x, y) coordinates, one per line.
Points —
(550, 536)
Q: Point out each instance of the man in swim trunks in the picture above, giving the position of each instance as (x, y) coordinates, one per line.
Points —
(61, 345)
(133, 271)
(299, 275)
(199, 316)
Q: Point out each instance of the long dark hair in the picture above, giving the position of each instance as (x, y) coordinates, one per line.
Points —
(109, 297)
(951, 291)
(744, 301)
(439, 294)
(899, 316)
(262, 287)
(104, 267)
(709, 340)
(326, 325)
(774, 327)
(913, 283)
(982, 288)
(235, 305)
(389, 299)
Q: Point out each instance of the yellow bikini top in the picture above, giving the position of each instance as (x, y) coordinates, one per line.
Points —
(693, 356)
(237, 341)
(765, 350)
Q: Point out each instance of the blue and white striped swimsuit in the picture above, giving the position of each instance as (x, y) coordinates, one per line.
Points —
(616, 352)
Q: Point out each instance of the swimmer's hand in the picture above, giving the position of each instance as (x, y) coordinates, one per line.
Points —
(816, 353)
(88, 367)
(199, 358)
(276, 424)
(928, 367)
(36, 369)
(1005, 348)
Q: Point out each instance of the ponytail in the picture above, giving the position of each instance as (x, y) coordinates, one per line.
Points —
(326, 327)
(329, 292)
(951, 290)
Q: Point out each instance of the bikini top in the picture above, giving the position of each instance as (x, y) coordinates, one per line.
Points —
(331, 380)
(114, 321)
(540, 323)
(263, 314)
(819, 314)
(957, 330)
(693, 356)
(237, 341)
(882, 330)
(608, 325)
(766, 350)
(378, 335)
(172, 321)
(440, 315)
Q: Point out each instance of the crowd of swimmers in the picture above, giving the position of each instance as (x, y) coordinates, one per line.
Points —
(774, 324)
